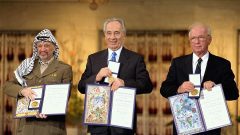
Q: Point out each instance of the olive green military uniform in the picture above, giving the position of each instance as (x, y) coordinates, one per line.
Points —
(56, 73)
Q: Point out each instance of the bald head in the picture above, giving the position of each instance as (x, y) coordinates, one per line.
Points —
(200, 25)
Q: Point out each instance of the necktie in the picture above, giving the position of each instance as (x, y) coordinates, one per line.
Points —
(113, 56)
(198, 68)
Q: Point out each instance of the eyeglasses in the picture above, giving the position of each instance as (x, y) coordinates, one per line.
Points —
(116, 34)
(200, 38)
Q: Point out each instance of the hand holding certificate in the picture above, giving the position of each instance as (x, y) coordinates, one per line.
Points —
(211, 102)
(49, 100)
(104, 107)
(27, 108)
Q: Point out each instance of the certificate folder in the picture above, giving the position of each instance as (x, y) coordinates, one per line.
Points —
(105, 107)
(208, 112)
(50, 100)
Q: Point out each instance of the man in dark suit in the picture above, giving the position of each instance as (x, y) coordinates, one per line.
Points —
(132, 72)
(213, 69)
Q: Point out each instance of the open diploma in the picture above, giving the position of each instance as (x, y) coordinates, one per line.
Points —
(199, 115)
(104, 107)
(49, 99)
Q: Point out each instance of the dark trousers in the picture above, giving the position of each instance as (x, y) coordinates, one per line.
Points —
(104, 130)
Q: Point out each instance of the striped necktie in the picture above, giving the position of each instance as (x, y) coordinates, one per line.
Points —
(198, 68)
(114, 54)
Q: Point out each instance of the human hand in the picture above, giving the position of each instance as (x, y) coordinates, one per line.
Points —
(116, 84)
(208, 85)
(28, 93)
(41, 116)
(104, 72)
(186, 86)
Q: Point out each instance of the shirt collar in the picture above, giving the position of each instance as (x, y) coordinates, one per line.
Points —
(46, 63)
(204, 57)
(117, 51)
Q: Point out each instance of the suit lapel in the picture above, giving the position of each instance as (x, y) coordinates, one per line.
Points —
(36, 70)
(103, 59)
(123, 59)
(208, 68)
(188, 64)
(123, 56)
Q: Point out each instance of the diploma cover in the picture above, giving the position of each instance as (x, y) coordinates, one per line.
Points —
(105, 107)
(50, 100)
(208, 112)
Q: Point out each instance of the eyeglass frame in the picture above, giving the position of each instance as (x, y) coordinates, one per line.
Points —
(199, 38)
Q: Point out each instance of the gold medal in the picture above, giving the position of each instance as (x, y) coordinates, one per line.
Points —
(111, 79)
(34, 104)
(194, 92)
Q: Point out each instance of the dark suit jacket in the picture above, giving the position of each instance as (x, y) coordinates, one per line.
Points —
(132, 71)
(56, 73)
(218, 70)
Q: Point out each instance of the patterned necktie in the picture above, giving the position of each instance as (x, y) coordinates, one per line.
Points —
(198, 68)
(114, 54)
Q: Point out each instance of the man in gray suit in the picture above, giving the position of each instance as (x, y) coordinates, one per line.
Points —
(213, 70)
(132, 72)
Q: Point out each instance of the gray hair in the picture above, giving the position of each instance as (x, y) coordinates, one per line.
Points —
(198, 24)
(112, 20)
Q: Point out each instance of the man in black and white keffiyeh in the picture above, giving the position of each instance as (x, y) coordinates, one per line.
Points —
(27, 65)
(43, 68)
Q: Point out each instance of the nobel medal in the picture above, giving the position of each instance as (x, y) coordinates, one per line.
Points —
(111, 79)
(194, 92)
(34, 104)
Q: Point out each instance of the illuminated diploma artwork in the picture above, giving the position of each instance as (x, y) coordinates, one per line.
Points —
(105, 107)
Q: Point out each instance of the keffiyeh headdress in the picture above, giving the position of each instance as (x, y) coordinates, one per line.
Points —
(26, 66)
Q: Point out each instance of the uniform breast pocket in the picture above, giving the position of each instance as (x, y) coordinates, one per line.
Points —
(52, 78)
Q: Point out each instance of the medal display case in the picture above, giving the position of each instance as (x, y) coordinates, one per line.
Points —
(158, 48)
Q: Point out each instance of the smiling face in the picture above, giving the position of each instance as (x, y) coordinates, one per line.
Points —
(200, 39)
(114, 35)
(45, 50)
